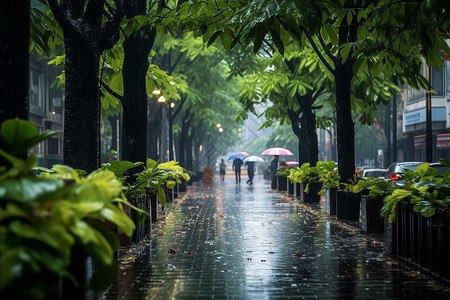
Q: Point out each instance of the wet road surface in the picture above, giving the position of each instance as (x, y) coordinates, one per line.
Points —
(229, 241)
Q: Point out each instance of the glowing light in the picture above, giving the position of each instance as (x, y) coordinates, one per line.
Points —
(201, 148)
(172, 83)
(156, 92)
(240, 129)
(218, 125)
(172, 105)
(53, 112)
(220, 129)
(161, 99)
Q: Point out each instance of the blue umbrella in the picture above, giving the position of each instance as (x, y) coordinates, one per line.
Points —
(236, 155)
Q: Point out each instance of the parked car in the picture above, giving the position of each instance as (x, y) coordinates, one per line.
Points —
(373, 173)
(440, 167)
(395, 170)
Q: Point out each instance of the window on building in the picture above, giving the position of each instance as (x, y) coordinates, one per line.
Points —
(415, 95)
(37, 92)
(447, 66)
(437, 82)
(53, 146)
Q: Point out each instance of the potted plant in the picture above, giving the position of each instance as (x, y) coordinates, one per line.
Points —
(372, 202)
(329, 178)
(348, 198)
(282, 175)
(49, 223)
(424, 189)
(422, 208)
(176, 175)
(308, 177)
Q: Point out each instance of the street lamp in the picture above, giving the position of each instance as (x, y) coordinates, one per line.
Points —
(161, 99)
(220, 129)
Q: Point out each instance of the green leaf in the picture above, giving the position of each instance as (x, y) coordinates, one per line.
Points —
(161, 196)
(151, 164)
(19, 135)
(171, 184)
(28, 189)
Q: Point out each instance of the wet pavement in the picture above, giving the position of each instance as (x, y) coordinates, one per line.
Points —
(228, 241)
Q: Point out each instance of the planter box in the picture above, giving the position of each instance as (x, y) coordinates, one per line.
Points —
(290, 187)
(297, 190)
(420, 242)
(371, 221)
(330, 201)
(282, 183)
(183, 186)
(312, 196)
(347, 206)
(208, 175)
(154, 204)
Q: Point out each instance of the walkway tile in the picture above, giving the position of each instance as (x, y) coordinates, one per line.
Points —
(230, 241)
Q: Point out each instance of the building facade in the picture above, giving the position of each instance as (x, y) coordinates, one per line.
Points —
(413, 135)
(46, 110)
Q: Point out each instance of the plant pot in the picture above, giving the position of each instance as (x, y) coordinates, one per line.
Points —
(297, 190)
(347, 205)
(371, 221)
(183, 186)
(330, 201)
(154, 207)
(282, 183)
(290, 187)
(208, 175)
(313, 193)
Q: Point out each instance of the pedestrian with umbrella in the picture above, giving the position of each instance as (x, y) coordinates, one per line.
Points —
(274, 163)
(250, 163)
(273, 170)
(237, 163)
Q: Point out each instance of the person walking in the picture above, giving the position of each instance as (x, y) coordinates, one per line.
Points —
(237, 163)
(222, 170)
(273, 171)
(250, 171)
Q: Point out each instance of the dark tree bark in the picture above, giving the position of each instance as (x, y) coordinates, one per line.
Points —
(85, 38)
(137, 49)
(345, 126)
(303, 123)
(387, 134)
(154, 129)
(14, 61)
(189, 154)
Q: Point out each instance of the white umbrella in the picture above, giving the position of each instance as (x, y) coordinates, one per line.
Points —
(255, 159)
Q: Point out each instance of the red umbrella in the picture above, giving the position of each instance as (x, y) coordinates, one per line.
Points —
(292, 163)
(277, 151)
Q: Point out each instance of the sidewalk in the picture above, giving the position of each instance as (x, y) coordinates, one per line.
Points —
(229, 241)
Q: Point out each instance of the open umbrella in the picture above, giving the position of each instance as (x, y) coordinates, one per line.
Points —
(255, 159)
(236, 155)
(277, 151)
(292, 163)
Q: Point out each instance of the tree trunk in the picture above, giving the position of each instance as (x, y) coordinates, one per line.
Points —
(387, 134)
(345, 126)
(154, 129)
(189, 155)
(308, 127)
(81, 119)
(85, 38)
(135, 65)
(14, 61)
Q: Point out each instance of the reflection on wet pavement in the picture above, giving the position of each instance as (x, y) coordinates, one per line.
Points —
(230, 241)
